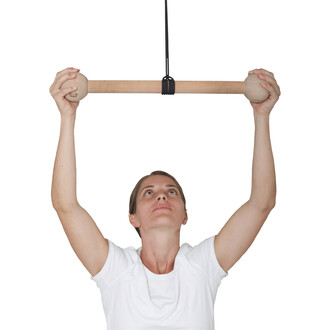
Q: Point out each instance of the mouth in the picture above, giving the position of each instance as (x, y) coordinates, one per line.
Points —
(163, 207)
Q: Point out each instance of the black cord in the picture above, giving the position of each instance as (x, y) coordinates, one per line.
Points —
(167, 64)
(168, 84)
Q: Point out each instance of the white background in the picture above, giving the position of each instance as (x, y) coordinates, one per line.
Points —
(205, 141)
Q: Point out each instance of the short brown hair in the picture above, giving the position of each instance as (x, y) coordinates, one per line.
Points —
(134, 194)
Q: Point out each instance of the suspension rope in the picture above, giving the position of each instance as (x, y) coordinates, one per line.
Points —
(168, 83)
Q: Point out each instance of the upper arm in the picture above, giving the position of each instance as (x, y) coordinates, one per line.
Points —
(85, 238)
(238, 233)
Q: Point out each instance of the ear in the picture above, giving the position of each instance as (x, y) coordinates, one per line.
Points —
(133, 221)
(185, 219)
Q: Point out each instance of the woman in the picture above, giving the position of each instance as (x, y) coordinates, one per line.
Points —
(161, 285)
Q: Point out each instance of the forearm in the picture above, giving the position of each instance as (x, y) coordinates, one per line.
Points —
(263, 192)
(64, 175)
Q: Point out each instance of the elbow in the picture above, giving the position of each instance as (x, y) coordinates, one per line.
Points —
(265, 207)
(60, 206)
(271, 205)
(55, 201)
(57, 207)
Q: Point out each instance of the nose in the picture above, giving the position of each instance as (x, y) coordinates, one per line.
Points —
(161, 196)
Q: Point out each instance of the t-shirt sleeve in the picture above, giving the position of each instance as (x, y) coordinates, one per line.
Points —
(116, 263)
(204, 255)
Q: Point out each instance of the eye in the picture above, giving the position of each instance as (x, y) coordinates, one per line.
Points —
(172, 191)
(147, 192)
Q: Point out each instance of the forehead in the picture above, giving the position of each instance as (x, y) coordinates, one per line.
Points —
(155, 180)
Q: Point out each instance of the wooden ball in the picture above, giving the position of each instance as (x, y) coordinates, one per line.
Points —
(81, 82)
(253, 90)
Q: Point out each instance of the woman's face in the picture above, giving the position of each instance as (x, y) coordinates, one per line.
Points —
(159, 205)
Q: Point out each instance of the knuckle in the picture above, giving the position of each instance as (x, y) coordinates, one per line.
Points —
(65, 77)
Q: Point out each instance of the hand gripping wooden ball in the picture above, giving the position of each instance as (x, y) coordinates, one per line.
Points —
(250, 87)
(81, 83)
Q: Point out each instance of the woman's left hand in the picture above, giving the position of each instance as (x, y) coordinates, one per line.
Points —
(270, 84)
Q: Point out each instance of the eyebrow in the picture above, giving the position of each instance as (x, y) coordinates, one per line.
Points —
(151, 186)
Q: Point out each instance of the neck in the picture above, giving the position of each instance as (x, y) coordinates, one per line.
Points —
(158, 253)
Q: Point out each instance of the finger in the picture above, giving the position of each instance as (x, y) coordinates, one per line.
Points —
(65, 91)
(60, 74)
(66, 70)
(61, 79)
(274, 96)
(262, 71)
(271, 81)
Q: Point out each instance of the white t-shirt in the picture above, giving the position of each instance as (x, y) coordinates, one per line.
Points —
(134, 298)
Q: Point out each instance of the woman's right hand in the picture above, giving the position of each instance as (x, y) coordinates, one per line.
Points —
(66, 107)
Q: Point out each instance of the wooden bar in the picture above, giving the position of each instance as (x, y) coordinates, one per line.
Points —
(155, 86)
(250, 87)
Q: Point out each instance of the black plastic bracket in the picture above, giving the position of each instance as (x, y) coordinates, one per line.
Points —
(168, 86)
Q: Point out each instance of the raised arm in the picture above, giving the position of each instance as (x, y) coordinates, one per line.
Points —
(84, 236)
(240, 230)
